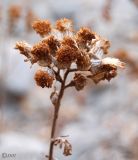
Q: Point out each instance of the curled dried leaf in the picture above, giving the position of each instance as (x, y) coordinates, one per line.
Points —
(63, 143)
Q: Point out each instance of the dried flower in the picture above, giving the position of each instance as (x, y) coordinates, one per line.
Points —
(69, 41)
(42, 53)
(83, 61)
(24, 48)
(84, 36)
(62, 142)
(42, 27)
(79, 81)
(52, 43)
(65, 56)
(64, 25)
(44, 79)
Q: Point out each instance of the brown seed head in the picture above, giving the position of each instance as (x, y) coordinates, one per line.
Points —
(14, 12)
(65, 56)
(52, 43)
(83, 61)
(24, 48)
(42, 27)
(41, 52)
(68, 41)
(64, 25)
(84, 35)
(105, 72)
(79, 81)
(44, 79)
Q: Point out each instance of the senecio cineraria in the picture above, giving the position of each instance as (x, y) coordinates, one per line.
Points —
(62, 51)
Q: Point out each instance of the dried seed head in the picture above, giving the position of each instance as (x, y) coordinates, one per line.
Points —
(42, 27)
(14, 12)
(64, 25)
(65, 56)
(62, 142)
(84, 35)
(44, 79)
(68, 41)
(42, 53)
(79, 81)
(104, 72)
(24, 48)
(83, 61)
(52, 43)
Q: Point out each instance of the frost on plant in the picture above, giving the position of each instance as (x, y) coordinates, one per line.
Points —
(61, 51)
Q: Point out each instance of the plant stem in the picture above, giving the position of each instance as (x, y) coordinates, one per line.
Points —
(56, 112)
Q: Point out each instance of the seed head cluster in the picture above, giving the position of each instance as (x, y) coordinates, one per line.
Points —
(61, 51)
(61, 48)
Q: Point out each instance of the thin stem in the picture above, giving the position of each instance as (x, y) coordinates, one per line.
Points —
(71, 84)
(56, 112)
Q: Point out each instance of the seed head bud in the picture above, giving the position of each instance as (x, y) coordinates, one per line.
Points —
(54, 97)
(44, 79)
(42, 27)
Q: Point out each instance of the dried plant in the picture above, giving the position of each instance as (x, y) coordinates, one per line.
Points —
(62, 51)
(14, 13)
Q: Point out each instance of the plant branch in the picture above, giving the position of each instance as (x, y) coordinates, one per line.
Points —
(71, 84)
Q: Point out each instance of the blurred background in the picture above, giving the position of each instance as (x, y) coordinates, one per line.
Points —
(101, 120)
